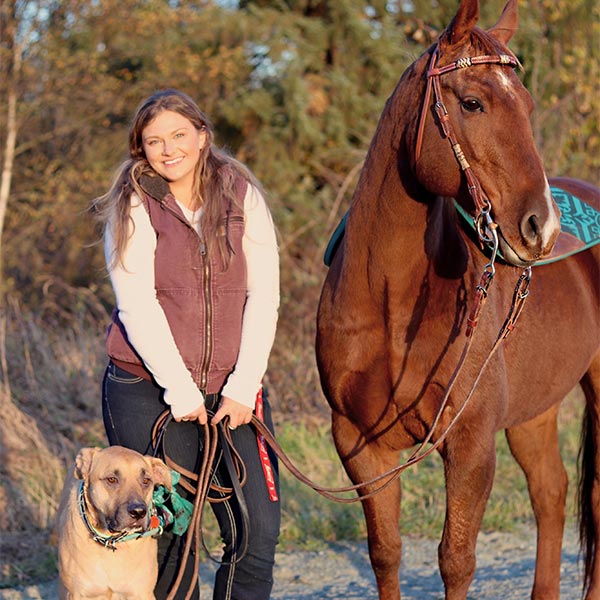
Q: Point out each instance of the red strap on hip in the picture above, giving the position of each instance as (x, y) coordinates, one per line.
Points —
(265, 461)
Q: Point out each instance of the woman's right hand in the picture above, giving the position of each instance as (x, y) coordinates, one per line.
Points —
(196, 415)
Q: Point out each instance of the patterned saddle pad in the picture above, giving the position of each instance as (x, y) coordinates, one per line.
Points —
(579, 225)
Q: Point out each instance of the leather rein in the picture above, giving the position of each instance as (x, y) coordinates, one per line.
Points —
(486, 230)
(217, 438)
(487, 233)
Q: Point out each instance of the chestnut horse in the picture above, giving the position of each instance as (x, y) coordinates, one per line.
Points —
(398, 299)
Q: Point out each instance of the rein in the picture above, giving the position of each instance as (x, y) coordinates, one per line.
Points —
(519, 296)
(487, 232)
(218, 433)
(200, 485)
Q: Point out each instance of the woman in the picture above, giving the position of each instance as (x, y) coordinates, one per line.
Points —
(192, 256)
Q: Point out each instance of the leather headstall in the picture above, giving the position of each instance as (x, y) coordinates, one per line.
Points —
(482, 203)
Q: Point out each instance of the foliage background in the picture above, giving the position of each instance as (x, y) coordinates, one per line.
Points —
(294, 88)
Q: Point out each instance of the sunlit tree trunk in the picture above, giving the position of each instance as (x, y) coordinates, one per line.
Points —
(8, 154)
(10, 68)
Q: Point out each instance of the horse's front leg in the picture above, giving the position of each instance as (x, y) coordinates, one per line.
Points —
(382, 511)
(469, 464)
(534, 445)
(382, 514)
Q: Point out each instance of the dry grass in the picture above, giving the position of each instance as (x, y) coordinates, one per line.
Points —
(32, 471)
(49, 400)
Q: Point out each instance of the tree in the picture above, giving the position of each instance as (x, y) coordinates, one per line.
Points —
(11, 52)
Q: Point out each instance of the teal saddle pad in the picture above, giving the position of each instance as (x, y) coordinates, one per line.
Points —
(577, 218)
(579, 227)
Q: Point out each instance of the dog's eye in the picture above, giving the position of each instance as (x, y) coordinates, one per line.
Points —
(112, 480)
(146, 481)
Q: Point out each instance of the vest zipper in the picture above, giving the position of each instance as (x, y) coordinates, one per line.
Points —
(207, 303)
(208, 322)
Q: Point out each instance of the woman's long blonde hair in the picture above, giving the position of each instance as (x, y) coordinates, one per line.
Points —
(213, 184)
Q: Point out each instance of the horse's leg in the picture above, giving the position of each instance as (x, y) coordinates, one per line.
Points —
(382, 511)
(469, 464)
(589, 484)
(534, 445)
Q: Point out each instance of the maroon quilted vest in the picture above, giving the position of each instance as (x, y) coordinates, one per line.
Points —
(203, 302)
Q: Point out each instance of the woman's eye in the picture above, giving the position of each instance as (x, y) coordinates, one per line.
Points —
(472, 105)
(179, 135)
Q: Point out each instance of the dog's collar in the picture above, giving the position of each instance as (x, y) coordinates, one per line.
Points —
(110, 541)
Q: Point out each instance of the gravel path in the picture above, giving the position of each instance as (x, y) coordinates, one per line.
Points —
(342, 572)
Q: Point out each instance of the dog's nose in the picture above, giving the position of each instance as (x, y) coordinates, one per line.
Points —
(137, 510)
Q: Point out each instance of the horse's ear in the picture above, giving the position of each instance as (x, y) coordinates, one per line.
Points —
(507, 24)
(461, 26)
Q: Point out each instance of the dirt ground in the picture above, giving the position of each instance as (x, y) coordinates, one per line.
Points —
(342, 572)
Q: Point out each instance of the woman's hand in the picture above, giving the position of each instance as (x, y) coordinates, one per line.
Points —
(239, 414)
(196, 415)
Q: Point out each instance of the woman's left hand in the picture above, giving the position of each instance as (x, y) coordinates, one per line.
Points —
(239, 414)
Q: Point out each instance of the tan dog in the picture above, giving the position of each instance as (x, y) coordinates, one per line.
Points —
(108, 495)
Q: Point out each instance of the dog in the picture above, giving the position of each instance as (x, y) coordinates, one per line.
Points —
(106, 524)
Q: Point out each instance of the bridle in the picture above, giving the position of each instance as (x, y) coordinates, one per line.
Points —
(484, 224)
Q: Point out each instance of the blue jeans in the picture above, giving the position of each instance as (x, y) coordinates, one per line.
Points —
(130, 407)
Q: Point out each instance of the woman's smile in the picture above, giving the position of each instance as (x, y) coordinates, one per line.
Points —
(172, 145)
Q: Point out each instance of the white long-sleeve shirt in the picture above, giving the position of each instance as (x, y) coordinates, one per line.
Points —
(147, 326)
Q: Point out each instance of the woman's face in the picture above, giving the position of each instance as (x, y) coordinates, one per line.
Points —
(172, 146)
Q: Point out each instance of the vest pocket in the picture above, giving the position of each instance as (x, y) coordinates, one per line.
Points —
(227, 322)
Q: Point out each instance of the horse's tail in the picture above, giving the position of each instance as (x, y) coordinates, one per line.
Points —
(589, 466)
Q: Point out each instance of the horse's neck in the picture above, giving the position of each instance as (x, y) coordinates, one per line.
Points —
(445, 245)
(394, 222)
(397, 224)
(382, 200)
(390, 219)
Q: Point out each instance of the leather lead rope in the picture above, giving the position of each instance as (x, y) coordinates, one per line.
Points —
(200, 485)
(383, 480)
(218, 434)
(487, 234)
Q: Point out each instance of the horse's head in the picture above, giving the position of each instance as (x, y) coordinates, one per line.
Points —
(476, 101)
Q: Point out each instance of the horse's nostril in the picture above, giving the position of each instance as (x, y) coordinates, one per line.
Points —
(534, 226)
(137, 511)
(531, 230)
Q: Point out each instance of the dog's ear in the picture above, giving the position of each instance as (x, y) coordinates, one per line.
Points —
(160, 472)
(83, 462)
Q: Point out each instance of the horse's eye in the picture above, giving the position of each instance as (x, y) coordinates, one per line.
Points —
(472, 105)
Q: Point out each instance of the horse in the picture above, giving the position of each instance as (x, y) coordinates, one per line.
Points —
(409, 288)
